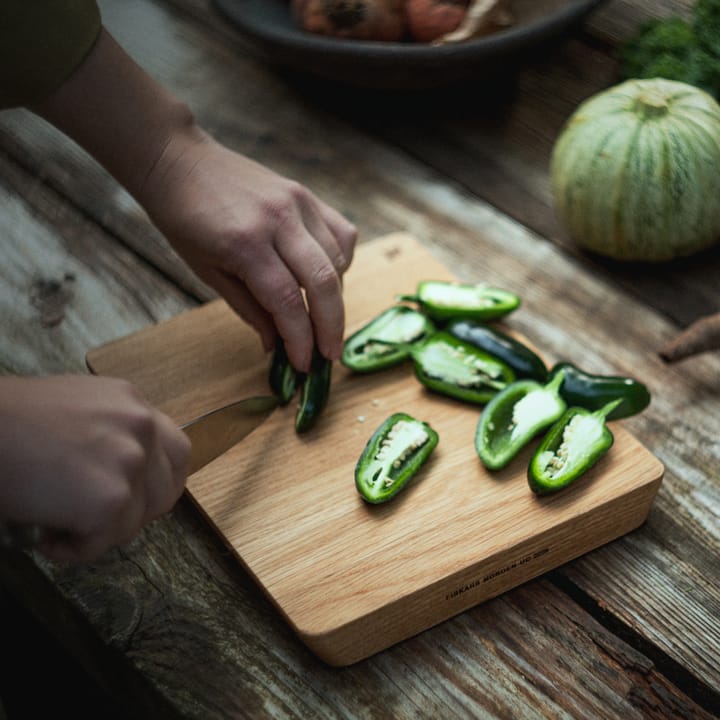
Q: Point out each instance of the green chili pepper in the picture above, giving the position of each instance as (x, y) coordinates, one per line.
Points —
(455, 368)
(385, 340)
(523, 361)
(441, 300)
(514, 417)
(392, 456)
(314, 392)
(594, 391)
(282, 376)
(570, 448)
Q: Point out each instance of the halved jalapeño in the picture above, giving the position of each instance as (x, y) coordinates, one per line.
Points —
(458, 369)
(442, 300)
(385, 340)
(392, 456)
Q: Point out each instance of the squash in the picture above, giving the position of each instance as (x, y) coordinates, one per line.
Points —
(429, 20)
(357, 19)
(635, 172)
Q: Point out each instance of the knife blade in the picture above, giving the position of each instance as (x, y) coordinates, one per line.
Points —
(217, 431)
(210, 434)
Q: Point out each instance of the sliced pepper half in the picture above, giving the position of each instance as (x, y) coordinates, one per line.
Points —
(282, 376)
(594, 391)
(442, 300)
(523, 361)
(392, 456)
(314, 393)
(385, 340)
(572, 446)
(514, 417)
(457, 369)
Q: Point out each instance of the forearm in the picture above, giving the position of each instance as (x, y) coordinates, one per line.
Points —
(113, 109)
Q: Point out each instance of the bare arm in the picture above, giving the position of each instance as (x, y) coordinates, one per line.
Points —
(261, 240)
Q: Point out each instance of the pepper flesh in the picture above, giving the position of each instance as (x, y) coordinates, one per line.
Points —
(385, 340)
(595, 391)
(514, 417)
(572, 446)
(521, 359)
(457, 369)
(314, 392)
(392, 456)
(282, 376)
(441, 300)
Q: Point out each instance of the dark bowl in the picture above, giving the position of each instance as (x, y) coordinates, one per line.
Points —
(268, 25)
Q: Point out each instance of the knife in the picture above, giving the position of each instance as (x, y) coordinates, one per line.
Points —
(217, 431)
(211, 435)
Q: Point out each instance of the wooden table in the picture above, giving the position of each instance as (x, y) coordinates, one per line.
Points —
(170, 625)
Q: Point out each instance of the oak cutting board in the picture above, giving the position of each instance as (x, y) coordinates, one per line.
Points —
(353, 579)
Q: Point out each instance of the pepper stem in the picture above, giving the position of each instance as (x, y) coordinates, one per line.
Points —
(556, 382)
(407, 298)
(605, 410)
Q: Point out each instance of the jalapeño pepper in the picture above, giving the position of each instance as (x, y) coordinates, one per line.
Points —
(314, 392)
(282, 376)
(392, 456)
(523, 361)
(385, 340)
(595, 391)
(441, 300)
(571, 447)
(455, 368)
(514, 417)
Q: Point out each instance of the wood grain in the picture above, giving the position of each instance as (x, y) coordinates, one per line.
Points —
(350, 579)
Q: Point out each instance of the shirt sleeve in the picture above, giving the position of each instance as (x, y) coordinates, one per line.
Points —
(41, 44)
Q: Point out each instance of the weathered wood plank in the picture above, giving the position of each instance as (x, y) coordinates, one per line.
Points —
(53, 277)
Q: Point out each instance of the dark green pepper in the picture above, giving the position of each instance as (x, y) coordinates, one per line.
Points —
(514, 417)
(282, 376)
(314, 392)
(523, 361)
(571, 447)
(392, 456)
(385, 340)
(595, 391)
(455, 368)
(442, 300)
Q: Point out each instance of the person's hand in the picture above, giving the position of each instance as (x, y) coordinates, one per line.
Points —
(259, 239)
(265, 243)
(88, 460)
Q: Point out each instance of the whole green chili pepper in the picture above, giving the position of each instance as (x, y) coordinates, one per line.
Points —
(594, 391)
(441, 300)
(523, 361)
(457, 369)
(514, 417)
(392, 456)
(282, 376)
(570, 448)
(314, 392)
(385, 340)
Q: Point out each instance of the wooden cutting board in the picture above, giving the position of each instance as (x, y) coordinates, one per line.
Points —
(350, 578)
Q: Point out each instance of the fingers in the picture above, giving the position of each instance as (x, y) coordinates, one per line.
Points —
(244, 304)
(167, 469)
(311, 267)
(291, 282)
(145, 484)
(344, 233)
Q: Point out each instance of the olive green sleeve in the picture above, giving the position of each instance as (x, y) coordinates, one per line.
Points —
(41, 43)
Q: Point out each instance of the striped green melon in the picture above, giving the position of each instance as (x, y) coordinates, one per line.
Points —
(636, 171)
